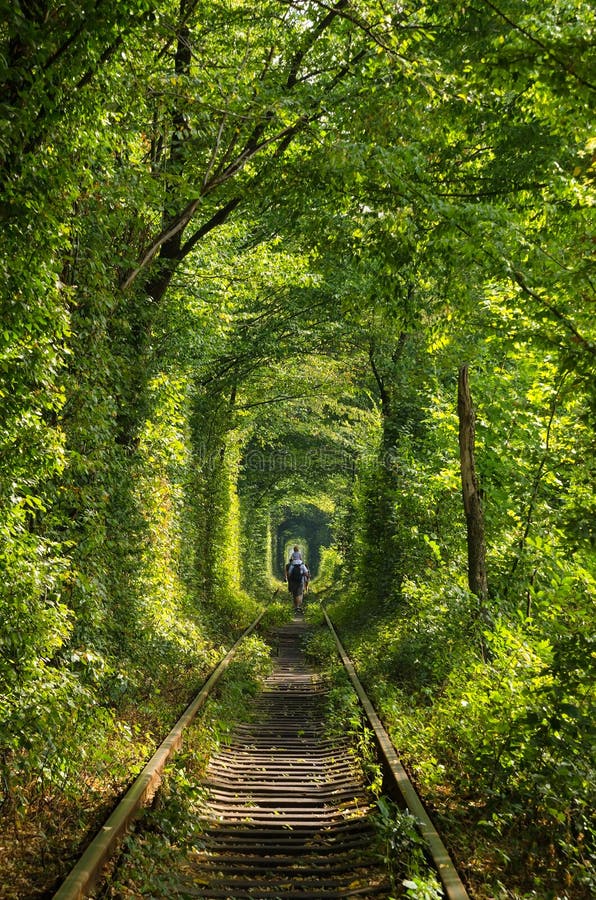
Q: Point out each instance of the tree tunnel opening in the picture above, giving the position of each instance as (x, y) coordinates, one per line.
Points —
(309, 528)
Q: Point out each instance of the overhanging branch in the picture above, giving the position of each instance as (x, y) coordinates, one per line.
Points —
(176, 225)
(567, 66)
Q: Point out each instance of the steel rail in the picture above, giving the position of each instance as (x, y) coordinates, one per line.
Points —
(85, 874)
(452, 883)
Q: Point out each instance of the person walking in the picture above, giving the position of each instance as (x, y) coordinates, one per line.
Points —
(298, 576)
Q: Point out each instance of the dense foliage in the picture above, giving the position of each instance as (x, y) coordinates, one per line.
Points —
(246, 249)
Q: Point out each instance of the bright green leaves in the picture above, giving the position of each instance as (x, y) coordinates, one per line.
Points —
(380, 195)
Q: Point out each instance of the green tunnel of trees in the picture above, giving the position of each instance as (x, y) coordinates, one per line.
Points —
(248, 252)
(310, 530)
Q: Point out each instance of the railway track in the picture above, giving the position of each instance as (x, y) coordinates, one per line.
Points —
(287, 812)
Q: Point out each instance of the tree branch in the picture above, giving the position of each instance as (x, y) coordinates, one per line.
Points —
(569, 325)
(519, 279)
(383, 392)
(312, 37)
(253, 146)
(181, 221)
(343, 12)
(218, 219)
(283, 397)
(568, 67)
(176, 225)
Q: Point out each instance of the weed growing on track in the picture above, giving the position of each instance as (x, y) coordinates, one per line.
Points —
(401, 846)
(404, 848)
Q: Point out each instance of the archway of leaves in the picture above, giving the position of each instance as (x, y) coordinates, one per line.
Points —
(246, 248)
(310, 529)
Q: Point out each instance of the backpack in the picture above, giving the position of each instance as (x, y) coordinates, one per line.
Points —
(295, 576)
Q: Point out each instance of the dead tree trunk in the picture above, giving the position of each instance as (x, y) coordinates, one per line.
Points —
(477, 578)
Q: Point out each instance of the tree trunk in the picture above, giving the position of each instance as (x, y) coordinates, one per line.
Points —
(477, 578)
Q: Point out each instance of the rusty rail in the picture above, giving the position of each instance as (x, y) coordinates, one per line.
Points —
(452, 883)
(86, 872)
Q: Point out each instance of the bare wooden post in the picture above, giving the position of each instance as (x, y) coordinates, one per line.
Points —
(477, 578)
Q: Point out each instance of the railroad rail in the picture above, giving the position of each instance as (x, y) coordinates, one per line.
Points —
(288, 814)
(87, 871)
